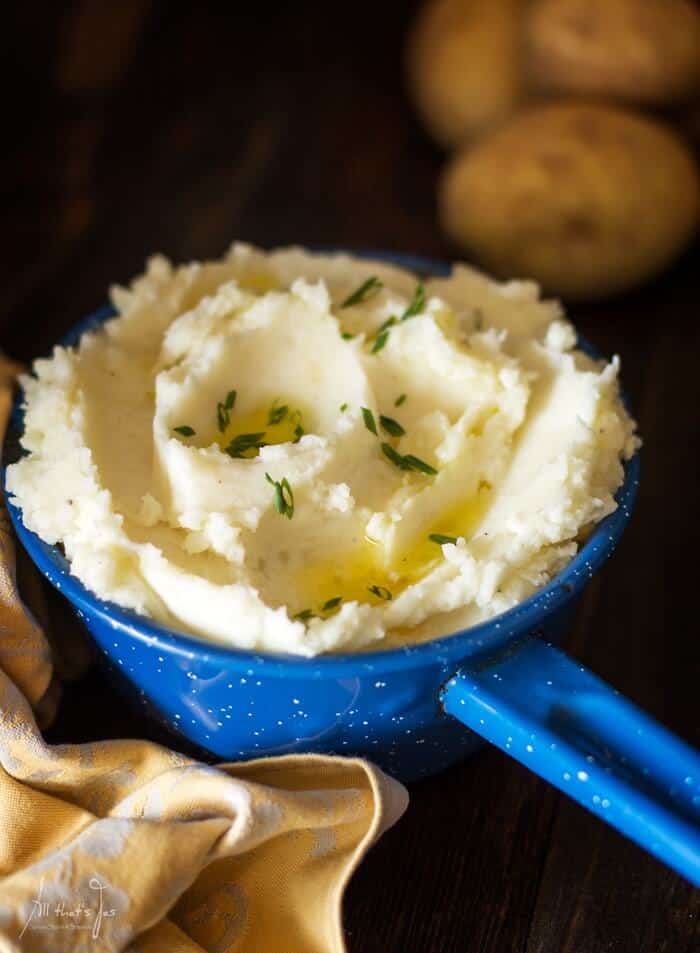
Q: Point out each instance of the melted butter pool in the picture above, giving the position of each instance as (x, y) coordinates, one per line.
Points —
(365, 575)
(280, 422)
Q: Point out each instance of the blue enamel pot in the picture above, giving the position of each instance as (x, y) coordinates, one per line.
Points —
(417, 709)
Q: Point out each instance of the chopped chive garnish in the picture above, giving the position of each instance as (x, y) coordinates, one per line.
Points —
(304, 615)
(283, 499)
(394, 456)
(343, 408)
(382, 335)
(368, 287)
(298, 433)
(417, 303)
(407, 461)
(346, 336)
(415, 307)
(244, 442)
(390, 322)
(369, 420)
(399, 400)
(379, 342)
(381, 592)
(391, 426)
(331, 603)
(441, 540)
(223, 410)
(185, 430)
(415, 463)
(277, 414)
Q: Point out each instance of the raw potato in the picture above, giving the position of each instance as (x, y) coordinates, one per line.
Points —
(641, 51)
(463, 65)
(586, 199)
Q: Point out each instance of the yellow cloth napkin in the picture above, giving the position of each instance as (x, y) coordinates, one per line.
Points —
(125, 845)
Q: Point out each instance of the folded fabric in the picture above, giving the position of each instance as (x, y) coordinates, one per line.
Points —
(125, 844)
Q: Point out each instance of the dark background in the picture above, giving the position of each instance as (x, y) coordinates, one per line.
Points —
(132, 127)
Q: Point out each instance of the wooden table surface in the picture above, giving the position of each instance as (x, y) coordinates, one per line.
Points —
(141, 126)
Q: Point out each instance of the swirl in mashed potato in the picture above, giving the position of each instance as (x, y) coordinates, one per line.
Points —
(306, 453)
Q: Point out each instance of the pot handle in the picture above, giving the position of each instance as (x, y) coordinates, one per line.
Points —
(575, 731)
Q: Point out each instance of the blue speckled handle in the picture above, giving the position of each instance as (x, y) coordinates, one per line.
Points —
(569, 727)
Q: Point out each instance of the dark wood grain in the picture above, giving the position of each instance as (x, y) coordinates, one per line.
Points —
(178, 127)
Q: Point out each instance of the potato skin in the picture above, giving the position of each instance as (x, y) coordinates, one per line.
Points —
(588, 200)
(637, 51)
(463, 65)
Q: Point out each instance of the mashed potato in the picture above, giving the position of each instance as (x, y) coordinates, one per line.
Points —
(306, 454)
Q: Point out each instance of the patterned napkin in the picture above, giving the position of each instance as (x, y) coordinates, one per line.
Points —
(125, 845)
